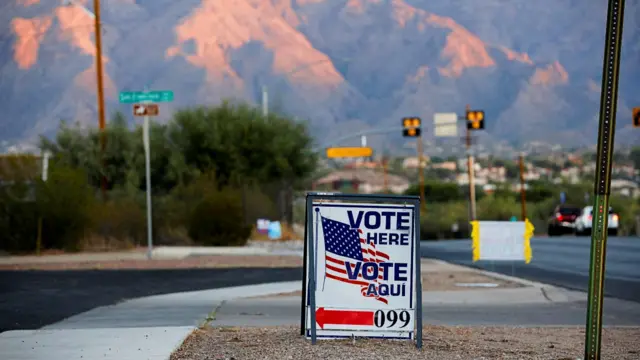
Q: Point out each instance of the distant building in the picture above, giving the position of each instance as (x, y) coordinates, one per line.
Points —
(365, 181)
(23, 169)
(625, 187)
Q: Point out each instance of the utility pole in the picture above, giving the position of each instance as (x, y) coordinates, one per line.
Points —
(100, 93)
(421, 170)
(523, 196)
(472, 186)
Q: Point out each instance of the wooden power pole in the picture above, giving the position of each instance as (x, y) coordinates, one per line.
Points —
(100, 93)
(421, 171)
(523, 192)
(472, 186)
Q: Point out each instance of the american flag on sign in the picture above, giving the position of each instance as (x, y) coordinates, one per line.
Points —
(342, 244)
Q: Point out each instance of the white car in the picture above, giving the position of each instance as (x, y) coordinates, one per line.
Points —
(583, 222)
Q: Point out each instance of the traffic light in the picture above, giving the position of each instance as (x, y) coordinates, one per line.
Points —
(475, 120)
(411, 127)
(636, 117)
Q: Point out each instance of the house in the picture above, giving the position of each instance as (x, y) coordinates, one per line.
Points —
(447, 165)
(365, 181)
(412, 162)
(625, 187)
(19, 169)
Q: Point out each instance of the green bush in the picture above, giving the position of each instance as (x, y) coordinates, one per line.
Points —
(18, 224)
(218, 220)
(65, 203)
(437, 220)
(122, 219)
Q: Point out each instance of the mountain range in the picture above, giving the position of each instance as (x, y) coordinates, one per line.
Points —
(534, 67)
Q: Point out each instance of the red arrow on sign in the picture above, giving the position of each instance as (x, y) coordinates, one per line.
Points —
(343, 317)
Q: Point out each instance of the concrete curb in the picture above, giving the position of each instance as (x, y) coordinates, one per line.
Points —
(181, 252)
(495, 275)
(550, 292)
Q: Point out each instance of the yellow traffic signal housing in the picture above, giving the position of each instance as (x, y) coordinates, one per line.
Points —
(475, 120)
(636, 117)
(411, 127)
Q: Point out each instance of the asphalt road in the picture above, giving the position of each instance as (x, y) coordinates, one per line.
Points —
(560, 261)
(32, 299)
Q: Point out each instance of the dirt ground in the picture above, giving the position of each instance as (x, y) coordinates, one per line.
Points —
(214, 261)
(447, 279)
(439, 342)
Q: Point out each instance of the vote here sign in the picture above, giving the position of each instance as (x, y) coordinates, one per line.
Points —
(364, 269)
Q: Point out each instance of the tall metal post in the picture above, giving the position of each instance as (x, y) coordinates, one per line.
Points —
(147, 166)
(606, 132)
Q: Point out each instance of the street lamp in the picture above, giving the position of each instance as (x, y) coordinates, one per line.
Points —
(100, 88)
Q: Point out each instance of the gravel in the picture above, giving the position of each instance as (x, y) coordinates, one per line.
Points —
(447, 278)
(440, 342)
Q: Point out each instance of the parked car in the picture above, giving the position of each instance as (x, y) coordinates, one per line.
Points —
(583, 222)
(562, 220)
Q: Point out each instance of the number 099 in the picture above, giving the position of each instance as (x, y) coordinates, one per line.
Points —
(392, 318)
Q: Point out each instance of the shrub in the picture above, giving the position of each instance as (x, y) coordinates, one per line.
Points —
(437, 220)
(65, 203)
(18, 224)
(217, 220)
(118, 222)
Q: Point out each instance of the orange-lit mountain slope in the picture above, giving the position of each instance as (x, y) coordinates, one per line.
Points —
(346, 65)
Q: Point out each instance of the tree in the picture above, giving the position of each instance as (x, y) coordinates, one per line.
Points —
(634, 156)
(240, 144)
(235, 141)
(438, 192)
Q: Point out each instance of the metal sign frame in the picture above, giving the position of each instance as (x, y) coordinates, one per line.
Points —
(309, 282)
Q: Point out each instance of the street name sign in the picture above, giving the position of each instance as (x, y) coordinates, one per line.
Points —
(445, 124)
(130, 97)
(349, 152)
(145, 110)
(361, 267)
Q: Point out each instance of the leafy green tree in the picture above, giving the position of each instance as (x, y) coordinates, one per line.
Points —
(235, 141)
(438, 192)
(634, 156)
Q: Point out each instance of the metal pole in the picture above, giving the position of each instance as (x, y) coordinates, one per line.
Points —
(606, 132)
(45, 176)
(100, 93)
(470, 171)
(147, 160)
(523, 193)
(265, 101)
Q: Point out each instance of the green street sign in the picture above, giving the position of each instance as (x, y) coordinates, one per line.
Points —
(130, 97)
